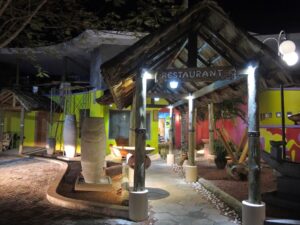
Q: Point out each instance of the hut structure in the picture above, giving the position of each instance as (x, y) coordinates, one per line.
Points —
(17, 100)
(202, 40)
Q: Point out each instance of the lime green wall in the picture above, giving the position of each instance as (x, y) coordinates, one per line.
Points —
(269, 102)
(12, 120)
(153, 141)
(75, 104)
(12, 124)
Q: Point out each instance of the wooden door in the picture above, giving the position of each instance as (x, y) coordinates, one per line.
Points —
(41, 121)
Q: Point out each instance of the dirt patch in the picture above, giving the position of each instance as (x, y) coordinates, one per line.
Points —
(239, 189)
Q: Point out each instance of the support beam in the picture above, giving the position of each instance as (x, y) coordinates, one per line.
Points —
(211, 127)
(253, 134)
(21, 131)
(211, 88)
(183, 131)
(191, 143)
(171, 131)
(140, 132)
(253, 210)
(132, 122)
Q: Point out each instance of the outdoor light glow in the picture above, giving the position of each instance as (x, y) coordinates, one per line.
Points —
(147, 75)
(287, 47)
(69, 151)
(173, 84)
(110, 105)
(156, 99)
(190, 97)
(290, 58)
(251, 70)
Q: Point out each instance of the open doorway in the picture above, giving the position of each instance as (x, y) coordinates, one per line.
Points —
(163, 126)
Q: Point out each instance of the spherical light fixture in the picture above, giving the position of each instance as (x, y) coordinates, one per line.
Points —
(287, 47)
(290, 58)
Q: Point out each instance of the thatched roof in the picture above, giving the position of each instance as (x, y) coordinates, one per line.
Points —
(218, 43)
(15, 99)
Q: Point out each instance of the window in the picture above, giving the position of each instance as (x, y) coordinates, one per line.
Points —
(119, 124)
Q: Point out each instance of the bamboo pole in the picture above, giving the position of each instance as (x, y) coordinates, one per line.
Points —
(171, 131)
(191, 144)
(253, 141)
(211, 127)
(21, 131)
(183, 131)
(132, 123)
(140, 132)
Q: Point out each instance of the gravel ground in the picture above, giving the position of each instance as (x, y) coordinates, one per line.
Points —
(23, 186)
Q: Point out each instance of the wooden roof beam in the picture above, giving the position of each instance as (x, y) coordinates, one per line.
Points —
(211, 88)
(225, 43)
(218, 50)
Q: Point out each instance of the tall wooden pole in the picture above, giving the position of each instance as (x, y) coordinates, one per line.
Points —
(253, 134)
(140, 132)
(1, 129)
(21, 130)
(191, 154)
(183, 132)
(211, 127)
(171, 131)
(132, 122)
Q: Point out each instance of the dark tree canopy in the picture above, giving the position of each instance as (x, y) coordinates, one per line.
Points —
(58, 21)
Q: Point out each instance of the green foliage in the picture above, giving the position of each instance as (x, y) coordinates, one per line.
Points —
(59, 21)
(219, 149)
(229, 109)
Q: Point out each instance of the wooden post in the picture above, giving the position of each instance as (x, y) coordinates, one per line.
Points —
(132, 123)
(211, 127)
(171, 131)
(191, 154)
(21, 130)
(253, 134)
(1, 129)
(140, 132)
(183, 132)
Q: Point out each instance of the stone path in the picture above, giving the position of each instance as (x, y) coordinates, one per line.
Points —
(24, 182)
(173, 201)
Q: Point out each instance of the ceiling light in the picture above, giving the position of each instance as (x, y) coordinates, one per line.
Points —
(156, 99)
(173, 84)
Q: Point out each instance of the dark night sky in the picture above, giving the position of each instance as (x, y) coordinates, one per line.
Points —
(264, 16)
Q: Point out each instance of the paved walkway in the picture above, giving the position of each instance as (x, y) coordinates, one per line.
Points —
(24, 183)
(173, 201)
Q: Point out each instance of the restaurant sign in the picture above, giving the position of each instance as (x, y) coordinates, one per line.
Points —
(197, 74)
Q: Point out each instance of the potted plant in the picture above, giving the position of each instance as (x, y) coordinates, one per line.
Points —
(220, 154)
